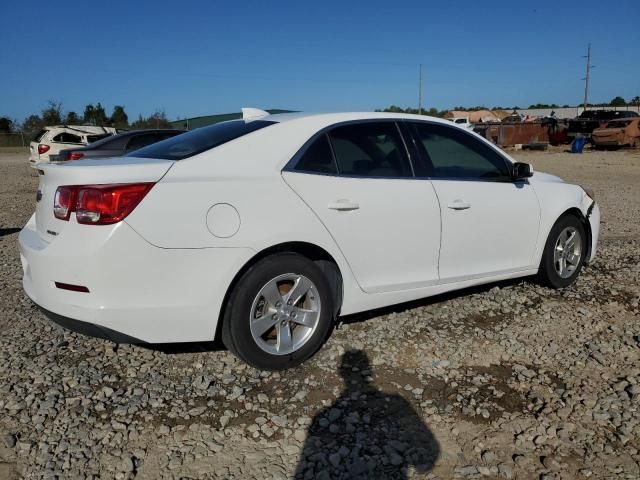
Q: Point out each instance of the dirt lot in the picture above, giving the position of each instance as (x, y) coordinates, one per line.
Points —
(505, 381)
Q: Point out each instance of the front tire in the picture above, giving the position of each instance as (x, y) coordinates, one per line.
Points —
(564, 253)
(279, 313)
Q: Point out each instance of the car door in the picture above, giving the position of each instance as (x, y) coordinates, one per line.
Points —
(489, 223)
(359, 181)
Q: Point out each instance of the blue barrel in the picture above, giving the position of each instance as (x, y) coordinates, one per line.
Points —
(578, 144)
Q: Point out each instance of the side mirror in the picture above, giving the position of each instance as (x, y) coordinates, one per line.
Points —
(521, 170)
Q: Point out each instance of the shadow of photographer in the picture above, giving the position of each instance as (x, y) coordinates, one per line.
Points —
(366, 433)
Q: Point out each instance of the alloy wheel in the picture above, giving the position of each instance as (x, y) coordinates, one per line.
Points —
(285, 313)
(567, 252)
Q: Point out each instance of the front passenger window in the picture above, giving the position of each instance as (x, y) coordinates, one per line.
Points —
(456, 154)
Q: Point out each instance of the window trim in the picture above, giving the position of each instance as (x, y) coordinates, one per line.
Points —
(426, 163)
(293, 162)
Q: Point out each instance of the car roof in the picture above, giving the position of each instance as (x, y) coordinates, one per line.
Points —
(337, 117)
(128, 133)
(87, 129)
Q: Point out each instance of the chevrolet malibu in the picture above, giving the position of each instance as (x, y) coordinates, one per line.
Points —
(264, 229)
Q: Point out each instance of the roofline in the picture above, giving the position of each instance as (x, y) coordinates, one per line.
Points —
(280, 110)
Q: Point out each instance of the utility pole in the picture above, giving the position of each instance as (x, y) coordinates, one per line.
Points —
(586, 78)
(420, 93)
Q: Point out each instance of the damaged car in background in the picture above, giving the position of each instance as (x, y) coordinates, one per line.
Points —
(585, 123)
(118, 145)
(618, 133)
(49, 141)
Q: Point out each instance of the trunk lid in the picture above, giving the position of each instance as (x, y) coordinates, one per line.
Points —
(88, 172)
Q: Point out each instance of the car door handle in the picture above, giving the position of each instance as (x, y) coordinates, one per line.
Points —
(343, 205)
(459, 205)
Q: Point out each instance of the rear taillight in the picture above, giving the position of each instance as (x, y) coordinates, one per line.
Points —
(42, 148)
(99, 204)
(75, 155)
(64, 202)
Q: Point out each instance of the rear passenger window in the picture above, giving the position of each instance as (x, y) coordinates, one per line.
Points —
(318, 158)
(371, 149)
(66, 137)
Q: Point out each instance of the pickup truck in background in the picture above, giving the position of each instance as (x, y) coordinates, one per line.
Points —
(462, 122)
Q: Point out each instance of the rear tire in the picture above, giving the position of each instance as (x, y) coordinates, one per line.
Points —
(279, 313)
(564, 253)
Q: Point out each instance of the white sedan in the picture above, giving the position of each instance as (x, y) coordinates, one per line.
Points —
(264, 229)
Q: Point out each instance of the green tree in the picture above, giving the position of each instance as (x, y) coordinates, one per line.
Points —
(89, 113)
(72, 118)
(52, 115)
(119, 117)
(95, 115)
(618, 102)
(6, 125)
(543, 105)
(32, 123)
(434, 112)
(635, 101)
(157, 119)
(392, 109)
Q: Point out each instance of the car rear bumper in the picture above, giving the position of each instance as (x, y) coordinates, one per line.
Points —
(137, 292)
(89, 329)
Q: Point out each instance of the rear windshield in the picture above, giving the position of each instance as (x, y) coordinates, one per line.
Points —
(199, 140)
(95, 138)
(39, 135)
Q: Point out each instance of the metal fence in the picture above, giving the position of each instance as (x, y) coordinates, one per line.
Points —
(570, 112)
(20, 139)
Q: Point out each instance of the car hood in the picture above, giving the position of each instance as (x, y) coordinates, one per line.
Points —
(541, 177)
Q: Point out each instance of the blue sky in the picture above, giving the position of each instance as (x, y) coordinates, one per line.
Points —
(197, 58)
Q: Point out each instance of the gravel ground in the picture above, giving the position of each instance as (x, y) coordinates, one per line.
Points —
(505, 381)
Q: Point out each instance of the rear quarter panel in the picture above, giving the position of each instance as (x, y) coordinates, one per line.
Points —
(247, 176)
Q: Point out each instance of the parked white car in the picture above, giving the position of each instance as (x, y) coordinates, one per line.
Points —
(462, 122)
(265, 229)
(49, 141)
